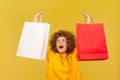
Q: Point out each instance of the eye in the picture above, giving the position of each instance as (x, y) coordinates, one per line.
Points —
(58, 41)
(64, 40)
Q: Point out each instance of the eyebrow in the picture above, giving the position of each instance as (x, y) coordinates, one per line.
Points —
(62, 39)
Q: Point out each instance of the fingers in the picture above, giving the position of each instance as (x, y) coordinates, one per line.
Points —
(35, 19)
(88, 19)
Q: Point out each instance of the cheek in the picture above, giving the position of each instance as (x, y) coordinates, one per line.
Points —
(65, 45)
(57, 44)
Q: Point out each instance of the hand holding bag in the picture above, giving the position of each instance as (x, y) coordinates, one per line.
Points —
(34, 39)
(91, 41)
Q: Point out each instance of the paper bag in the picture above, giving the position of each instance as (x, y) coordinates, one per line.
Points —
(34, 40)
(91, 42)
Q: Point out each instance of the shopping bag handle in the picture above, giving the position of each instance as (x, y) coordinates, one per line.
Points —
(87, 18)
(35, 19)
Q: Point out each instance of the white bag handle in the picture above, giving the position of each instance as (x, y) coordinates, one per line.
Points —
(35, 19)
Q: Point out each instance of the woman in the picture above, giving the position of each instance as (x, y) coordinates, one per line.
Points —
(61, 55)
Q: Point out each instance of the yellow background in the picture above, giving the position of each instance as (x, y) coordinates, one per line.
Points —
(61, 14)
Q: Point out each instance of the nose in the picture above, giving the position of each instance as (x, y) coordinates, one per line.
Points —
(60, 42)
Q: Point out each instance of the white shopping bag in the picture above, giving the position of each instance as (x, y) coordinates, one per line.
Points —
(34, 40)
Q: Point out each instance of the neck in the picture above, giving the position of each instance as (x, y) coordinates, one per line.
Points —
(62, 53)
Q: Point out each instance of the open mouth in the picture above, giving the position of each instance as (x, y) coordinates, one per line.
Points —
(60, 47)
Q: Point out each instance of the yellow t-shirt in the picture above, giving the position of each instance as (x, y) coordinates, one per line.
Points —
(61, 67)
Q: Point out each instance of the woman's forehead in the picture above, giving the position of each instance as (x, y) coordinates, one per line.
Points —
(61, 37)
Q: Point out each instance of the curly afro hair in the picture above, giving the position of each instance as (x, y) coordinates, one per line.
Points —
(70, 38)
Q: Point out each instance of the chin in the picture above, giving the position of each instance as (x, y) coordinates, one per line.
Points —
(61, 51)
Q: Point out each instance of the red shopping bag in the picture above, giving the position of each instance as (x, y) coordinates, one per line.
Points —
(91, 42)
